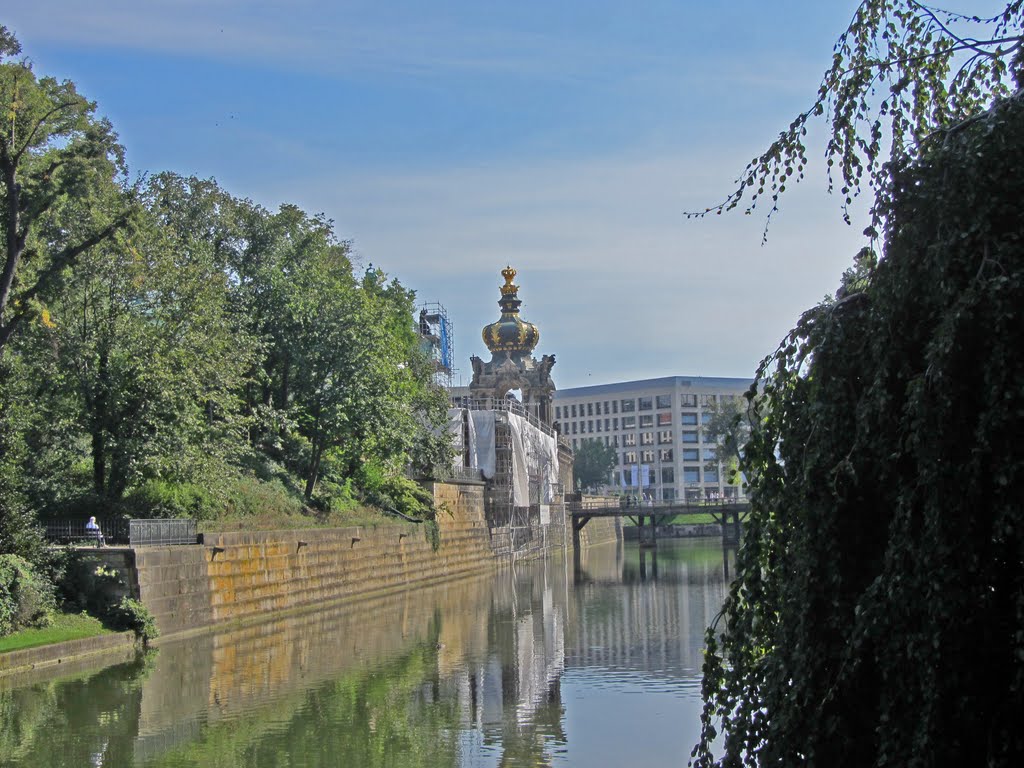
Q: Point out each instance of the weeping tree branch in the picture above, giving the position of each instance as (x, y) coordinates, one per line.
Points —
(889, 81)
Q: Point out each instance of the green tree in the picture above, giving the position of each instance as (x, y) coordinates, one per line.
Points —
(593, 464)
(52, 149)
(727, 430)
(876, 614)
(361, 385)
(137, 366)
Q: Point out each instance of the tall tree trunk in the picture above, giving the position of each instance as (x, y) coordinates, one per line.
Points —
(99, 460)
(14, 244)
(314, 470)
(99, 424)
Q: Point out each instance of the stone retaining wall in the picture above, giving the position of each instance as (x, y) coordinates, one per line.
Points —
(240, 576)
(599, 530)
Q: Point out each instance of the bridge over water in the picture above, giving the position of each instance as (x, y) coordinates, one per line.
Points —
(647, 516)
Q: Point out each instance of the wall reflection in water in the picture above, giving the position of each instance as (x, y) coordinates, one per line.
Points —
(468, 673)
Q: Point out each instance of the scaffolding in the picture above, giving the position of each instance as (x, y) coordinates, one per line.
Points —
(526, 523)
(438, 339)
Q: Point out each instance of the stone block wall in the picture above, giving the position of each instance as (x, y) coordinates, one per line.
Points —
(243, 575)
(601, 530)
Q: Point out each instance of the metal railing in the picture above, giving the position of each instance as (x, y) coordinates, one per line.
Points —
(502, 404)
(121, 531)
(470, 474)
(639, 507)
(162, 532)
(113, 530)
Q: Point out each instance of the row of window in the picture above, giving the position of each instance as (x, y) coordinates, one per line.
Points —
(691, 494)
(630, 422)
(631, 404)
(662, 437)
(649, 475)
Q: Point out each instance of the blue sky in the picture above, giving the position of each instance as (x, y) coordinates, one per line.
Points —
(447, 139)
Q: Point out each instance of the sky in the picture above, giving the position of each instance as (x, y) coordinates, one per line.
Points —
(450, 138)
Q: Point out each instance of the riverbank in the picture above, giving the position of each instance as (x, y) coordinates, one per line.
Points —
(240, 577)
(59, 653)
(522, 665)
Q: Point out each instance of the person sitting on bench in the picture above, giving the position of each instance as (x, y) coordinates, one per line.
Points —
(92, 529)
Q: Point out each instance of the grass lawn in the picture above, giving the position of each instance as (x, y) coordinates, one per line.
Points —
(65, 626)
(280, 521)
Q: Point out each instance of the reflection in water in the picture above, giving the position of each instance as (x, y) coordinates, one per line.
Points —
(536, 665)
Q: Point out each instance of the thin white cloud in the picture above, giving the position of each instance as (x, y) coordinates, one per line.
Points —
(307, 36)
(615, 276)
(620, 283)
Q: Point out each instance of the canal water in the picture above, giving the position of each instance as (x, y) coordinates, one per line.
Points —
(594, 663)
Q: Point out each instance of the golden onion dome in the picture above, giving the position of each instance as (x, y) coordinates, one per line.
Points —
(511, 333)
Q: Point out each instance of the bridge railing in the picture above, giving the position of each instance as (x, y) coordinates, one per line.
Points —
(655, 507)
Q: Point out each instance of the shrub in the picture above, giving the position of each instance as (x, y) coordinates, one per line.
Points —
(89, 586)
(133, 615)
(26, 597)
(395, 492)
(95, 588)
(250, 497)
(164, 499)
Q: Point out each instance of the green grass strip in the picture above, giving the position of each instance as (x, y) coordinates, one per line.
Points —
(65, 626)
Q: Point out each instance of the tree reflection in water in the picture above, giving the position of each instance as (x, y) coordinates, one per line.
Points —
(468, 673)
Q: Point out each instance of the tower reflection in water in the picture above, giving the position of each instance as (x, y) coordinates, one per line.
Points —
(468, 673)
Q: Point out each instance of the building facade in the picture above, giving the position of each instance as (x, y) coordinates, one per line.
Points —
(655, 426)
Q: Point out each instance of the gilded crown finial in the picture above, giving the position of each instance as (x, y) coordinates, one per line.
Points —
(509, 274)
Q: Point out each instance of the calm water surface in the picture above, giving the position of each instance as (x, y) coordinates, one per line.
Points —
(545, 664)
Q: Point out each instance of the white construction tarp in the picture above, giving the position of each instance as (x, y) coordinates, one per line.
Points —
(534, 454)
(481, 442)
(455, 430)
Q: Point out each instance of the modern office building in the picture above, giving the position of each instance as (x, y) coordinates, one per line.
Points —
(655, 427)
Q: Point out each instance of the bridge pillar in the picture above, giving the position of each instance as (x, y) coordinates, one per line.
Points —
(648, 534)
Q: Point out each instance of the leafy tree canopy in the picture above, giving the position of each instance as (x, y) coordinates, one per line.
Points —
(593, 463)
(173, 350)
(877, 616)
(728, 430)
(53, 151)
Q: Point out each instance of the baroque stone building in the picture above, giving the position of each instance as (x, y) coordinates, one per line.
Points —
(511, 443)
(511, 341)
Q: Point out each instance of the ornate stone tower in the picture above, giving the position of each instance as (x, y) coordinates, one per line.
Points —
(511, 341)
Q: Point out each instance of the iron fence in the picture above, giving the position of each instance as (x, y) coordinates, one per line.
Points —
(112, 530)
(471, 474)
(122, 531)
(163, 532)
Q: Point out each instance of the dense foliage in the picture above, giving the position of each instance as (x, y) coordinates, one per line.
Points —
(728, 429)
(168, 349)
(878, 614)
(593, 464)
(26, 596)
